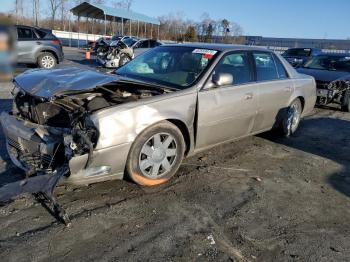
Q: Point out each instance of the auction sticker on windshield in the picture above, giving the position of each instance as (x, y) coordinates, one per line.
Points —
(206, 52)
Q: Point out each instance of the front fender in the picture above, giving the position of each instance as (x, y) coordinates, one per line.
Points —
(122, 124)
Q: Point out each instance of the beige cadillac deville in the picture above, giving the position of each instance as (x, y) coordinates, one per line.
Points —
(140, 122)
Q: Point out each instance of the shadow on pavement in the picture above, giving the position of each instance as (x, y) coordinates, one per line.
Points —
(325, 137)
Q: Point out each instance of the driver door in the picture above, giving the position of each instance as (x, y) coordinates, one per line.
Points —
(228, 112)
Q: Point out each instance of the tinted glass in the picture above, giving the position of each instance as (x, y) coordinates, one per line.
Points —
(237, 65)
(265, 67)
(298, 52)
(41, 33)
(282, 73)
(177, 67)
(329, 62)
(144, 44)
(154, 43)
(24, 33)
(129, 41)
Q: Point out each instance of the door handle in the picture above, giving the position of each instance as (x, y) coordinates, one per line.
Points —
(248, 96)
(38, 43)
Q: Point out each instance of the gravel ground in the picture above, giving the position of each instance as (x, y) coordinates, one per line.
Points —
(263, 198)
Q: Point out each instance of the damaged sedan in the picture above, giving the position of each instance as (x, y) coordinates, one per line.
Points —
(83, 127)
(332, 74)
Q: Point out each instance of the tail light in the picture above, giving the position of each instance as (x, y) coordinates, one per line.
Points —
(56, 42)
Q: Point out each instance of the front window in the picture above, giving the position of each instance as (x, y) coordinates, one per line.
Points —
(329, 62)
(177, 67)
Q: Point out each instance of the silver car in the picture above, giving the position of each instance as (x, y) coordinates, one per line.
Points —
(164, 105)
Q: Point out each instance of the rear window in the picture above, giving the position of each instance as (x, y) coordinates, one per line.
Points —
(298, 52)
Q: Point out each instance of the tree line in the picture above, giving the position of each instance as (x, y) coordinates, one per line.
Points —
(54, 14)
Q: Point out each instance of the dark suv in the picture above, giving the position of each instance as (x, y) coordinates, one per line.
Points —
(298, 56)
(38, 46)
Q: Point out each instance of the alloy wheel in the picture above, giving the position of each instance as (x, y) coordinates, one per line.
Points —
(47, 61)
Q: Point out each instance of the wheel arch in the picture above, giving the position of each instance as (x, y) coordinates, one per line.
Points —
(184, 130)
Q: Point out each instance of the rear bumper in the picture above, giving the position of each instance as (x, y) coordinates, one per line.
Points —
(60, 56)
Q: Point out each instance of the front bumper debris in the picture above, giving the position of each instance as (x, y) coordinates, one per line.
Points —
(32, 148)
(43, 187)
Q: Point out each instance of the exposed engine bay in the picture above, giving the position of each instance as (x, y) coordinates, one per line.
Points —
(333, 92)
(68, 117)
(44, 134)
(114, 54)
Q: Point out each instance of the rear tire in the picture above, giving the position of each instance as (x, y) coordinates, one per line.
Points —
(47, 60)
(346, 102)
(291, 118)
(156, 154)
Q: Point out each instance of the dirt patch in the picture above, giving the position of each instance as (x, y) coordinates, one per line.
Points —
(264, 198)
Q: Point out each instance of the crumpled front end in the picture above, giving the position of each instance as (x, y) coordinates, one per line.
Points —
(46, 133)
(329, 92)
(32, 147)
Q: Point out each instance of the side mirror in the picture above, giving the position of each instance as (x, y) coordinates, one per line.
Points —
(221, 79)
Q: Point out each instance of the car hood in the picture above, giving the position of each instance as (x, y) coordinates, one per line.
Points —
(324, 75)
(47, 83)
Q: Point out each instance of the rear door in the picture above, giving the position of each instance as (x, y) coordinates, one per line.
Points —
(228, 112)
(275, 89)
(27, 43)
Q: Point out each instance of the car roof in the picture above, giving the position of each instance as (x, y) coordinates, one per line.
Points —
(221, 47)
(335, 54)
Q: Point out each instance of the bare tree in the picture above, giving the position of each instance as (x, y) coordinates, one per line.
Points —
(124, 4)
(36, 12)
(63, 9)
(19, 10)
(54, 5)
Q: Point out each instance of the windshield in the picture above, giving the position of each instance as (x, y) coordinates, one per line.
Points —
(115, 38)
(129, 41)
(328, 62)
(298, 52)
(177, 67)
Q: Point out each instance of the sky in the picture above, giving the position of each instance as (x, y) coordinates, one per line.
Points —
(275, 18)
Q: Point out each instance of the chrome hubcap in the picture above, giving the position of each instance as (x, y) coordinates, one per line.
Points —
(47, 61)
(294, 113)
(158, 155)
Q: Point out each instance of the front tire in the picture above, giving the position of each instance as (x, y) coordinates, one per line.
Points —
(47, 61)
(291, 119)
(156, 154)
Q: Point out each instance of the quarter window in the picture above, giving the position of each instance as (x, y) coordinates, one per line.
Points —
(237, 65)
(265, 67)
(282, 73)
